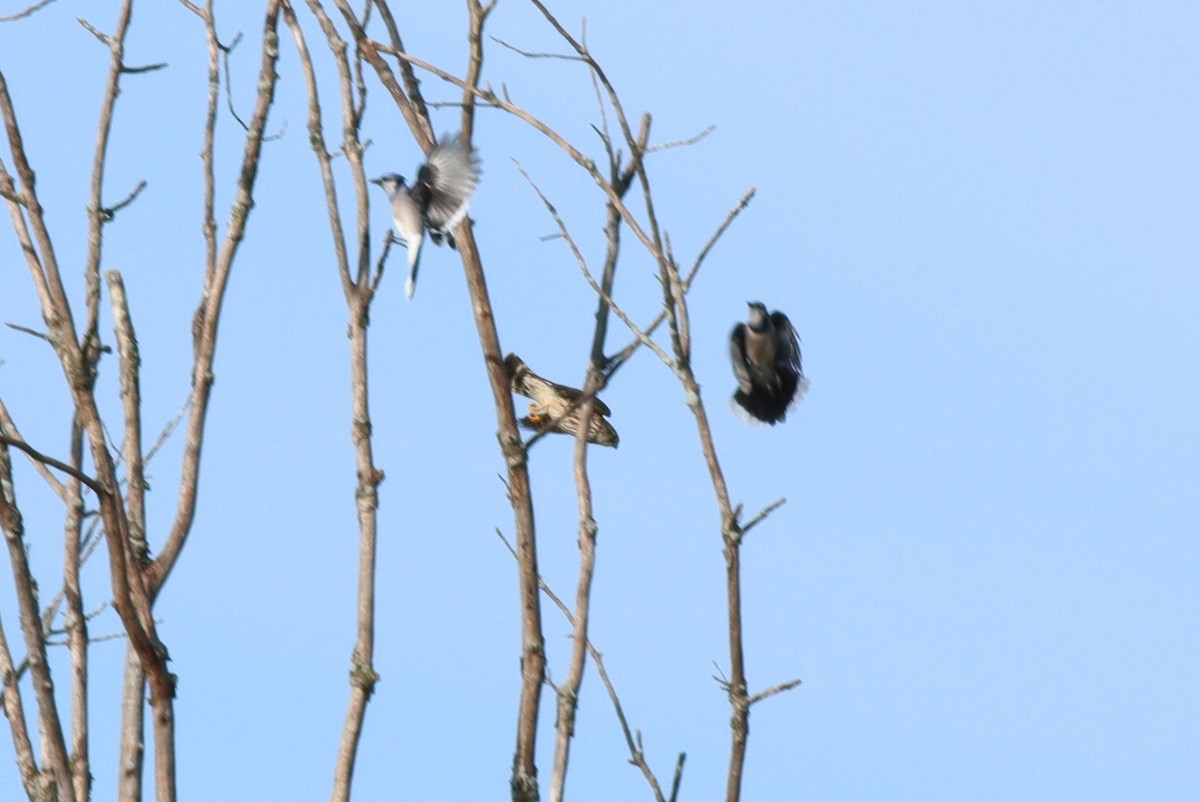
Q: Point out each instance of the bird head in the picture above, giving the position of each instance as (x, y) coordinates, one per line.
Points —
(758, 315)
(391, 183)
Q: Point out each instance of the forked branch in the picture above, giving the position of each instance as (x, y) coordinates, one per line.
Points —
(359, 290)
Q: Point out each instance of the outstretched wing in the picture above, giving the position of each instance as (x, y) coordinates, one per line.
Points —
(447, 181)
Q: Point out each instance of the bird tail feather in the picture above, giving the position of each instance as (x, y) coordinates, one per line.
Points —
(414, 263)
(760, 407)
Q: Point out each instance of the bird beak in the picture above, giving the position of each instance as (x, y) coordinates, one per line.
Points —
(378, 181)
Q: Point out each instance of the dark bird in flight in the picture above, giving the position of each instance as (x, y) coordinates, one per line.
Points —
(553, 402)
(765, 353)
(437, 201)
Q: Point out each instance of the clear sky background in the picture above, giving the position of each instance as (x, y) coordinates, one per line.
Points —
(984, 221)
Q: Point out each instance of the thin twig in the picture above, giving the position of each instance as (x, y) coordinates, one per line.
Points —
(104, 38)
(168, 429)
(747, 196)
(33, 9)
(637, 754)
(410, 102)
(7, 424)
(679, 143)
(678, 776)
(225, 51)
(587, 274)
(528, 54)
(780, 688)
(162, 65)
(757, 519)
(109, 212)
(58, 465)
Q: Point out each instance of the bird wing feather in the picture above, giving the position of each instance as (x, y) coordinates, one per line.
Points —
(551, 395)
(737, 357)
(787, 359)
(559, 396)
(787, 353)
(450, 177)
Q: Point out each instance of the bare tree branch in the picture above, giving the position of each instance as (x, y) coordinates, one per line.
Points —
(675, 782)
(100, 35)
(642, 337)
(674, 299)
(9, 192)
(528, 54)
(76, 623)
(46, 459)
(131, 402)
(127, 70)
(95, 209)
(359, 291)
(7, 425)
(33, 9)
(109, 212)
(680, 143)
(636, 752)
(228, 73)
(410, 102)
(49, 724)
(217, 277)
(524, 777)
(780, 688)
(757, 519)
(37, 786)
(568, 698)
(30, 332)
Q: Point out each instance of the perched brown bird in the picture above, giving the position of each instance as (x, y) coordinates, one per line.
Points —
(554, 402)
(765, 353)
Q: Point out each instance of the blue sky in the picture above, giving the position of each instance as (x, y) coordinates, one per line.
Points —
(983, 221)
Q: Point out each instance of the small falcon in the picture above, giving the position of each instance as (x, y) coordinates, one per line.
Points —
(437, 201)
(553, 401)
(765, 353)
